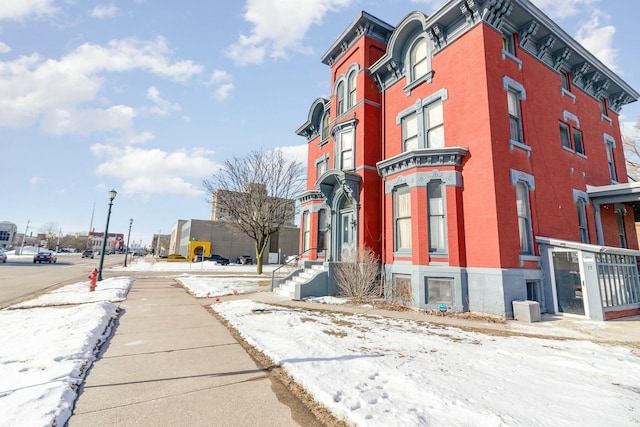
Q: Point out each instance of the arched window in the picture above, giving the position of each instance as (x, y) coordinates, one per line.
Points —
(325, 125)
(351, 83)
(340, 97)
(419, 63)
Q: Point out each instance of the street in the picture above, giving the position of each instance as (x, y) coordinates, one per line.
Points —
(20, 277)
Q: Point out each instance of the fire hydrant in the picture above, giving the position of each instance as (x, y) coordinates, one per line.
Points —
(93, 277)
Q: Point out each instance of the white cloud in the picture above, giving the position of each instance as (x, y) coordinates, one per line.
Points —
(279, 26)
(162, 107)
(21, 9)
(4, 48)
(34, 89)
(597, 38)
(154, 171)
(222, 82)
(564, 8)
(104, 11)
(297, 152)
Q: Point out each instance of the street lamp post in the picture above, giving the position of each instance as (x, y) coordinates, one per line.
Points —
(126, 252)
(112, 195)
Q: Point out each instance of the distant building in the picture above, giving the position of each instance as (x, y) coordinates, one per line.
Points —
(160, 244)
(115, 241)
(230, 243)
(8, 231)
(218, 212)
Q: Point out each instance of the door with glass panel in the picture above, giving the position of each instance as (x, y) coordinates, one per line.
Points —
(569, 282)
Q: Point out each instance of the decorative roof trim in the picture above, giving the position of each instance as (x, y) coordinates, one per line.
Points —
(424, 157)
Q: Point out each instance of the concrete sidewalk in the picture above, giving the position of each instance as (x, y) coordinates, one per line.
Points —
(170, 362)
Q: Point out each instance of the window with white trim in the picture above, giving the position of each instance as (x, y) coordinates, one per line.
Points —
(435, 125)
(323, 230)
(571, 138)
(437, 219)
(345, 141)
(419, 59)
(340, 98)
(321, 166)
(423, 122)
(402, 218)
(325, 125)
(410, 132)
(566, 81)
(508, 43)
(582, 219)
(515, 94)
(351, 84)
(610, 144)
(306, 224)
(524, 218)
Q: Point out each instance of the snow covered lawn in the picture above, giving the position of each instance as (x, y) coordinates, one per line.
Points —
(204, 287)
(45, 355)
(381, 372)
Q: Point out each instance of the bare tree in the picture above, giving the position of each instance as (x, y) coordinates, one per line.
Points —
(358, 275)
(256, 194)
(50, 230)
(632, 153)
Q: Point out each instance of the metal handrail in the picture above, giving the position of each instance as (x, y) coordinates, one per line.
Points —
(273, 273)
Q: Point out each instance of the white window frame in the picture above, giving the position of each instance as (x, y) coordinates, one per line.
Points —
(421, 110)
(351, 88)
(524, 184)
(581, 205)
(402, 220)
(346, 153)
(437, 217)
(340, 98)
(610, 144)
(519, 94)
(620, 213)
(419, 64)
(306, 236)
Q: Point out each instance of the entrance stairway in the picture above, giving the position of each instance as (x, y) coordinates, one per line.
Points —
(311, 281)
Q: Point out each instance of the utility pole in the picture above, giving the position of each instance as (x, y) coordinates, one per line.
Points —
(24, 236)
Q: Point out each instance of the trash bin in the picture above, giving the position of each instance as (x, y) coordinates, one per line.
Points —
(526, 311)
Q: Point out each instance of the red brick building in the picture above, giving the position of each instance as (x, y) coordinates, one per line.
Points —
(478, 151)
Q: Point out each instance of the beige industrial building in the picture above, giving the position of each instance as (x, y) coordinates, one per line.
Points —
(231, 243)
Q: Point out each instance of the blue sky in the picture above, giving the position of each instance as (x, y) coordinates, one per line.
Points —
(148, 97)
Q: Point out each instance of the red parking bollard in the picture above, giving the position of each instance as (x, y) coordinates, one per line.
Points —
(93, 277)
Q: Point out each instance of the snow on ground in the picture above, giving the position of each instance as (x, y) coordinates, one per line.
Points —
(203, 287)
(111, 289)
(144, 264)
(381, 372)
(40, 374)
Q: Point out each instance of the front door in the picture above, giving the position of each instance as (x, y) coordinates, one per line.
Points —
(347, 228)
(569, 282)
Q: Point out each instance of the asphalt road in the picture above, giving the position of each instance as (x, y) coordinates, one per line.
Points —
(20, 278)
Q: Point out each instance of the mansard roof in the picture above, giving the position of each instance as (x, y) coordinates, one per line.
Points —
(538, 35)
(364, 24)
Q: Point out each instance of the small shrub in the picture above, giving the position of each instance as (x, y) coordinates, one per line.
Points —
(358, 275)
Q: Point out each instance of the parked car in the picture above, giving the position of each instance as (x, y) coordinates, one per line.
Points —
(88, 254)
(45, 256)
(218, 258)
(245, 259)
(3, 256)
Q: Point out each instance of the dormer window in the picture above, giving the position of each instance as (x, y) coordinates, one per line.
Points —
(340, 98)
(419, 62)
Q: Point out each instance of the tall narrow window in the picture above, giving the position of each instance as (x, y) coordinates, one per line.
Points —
(410, 132)
(582, 220)
(340, 97)
(566, 82)
(306, 238)
(321, 167)
(577, 141)
(437, 220)
(623, 238)
(603, 106)
(325, 125)
(508, 44)
(346, 149)
(403, 218)
(419, 63)
(565, 135)
(524, 218)
(323, 230)
(352, 89)
(515, 119)
(435, 125)
(610, 143)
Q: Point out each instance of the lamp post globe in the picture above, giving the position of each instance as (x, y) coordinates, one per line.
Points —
(112, 195)
(126, 252)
